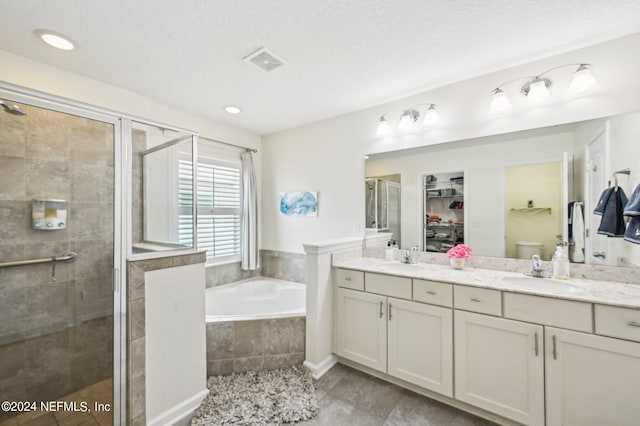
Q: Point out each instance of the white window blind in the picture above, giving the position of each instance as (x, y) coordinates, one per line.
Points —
(219, 207)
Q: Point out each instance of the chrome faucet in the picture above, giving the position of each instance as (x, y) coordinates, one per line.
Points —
(536, 267)
(409, 255)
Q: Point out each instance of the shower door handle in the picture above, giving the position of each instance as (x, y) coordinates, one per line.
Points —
(116, 280)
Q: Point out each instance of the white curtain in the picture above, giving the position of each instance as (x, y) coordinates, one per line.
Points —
(249, 224)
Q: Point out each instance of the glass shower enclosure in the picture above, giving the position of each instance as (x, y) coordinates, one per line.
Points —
(58, 308)
(382, 207)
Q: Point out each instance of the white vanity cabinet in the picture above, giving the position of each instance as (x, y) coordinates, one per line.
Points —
(591, 380)
(361, 328)
(532, 359)
(499, 365)
(420, 349)
(408, 340)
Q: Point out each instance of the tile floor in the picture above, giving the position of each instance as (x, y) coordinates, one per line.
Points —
(351, 398)
(100, 392)
(346, 397)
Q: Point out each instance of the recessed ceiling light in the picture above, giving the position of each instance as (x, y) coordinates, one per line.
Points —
(232, 109)
(55, 39)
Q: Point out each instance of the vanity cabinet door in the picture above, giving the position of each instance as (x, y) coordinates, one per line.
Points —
(499, 366)
(361, 328)
(420, 339)
(591, 380)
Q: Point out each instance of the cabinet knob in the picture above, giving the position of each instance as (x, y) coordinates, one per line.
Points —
(633, 324)
(431, 292)
(347, 278)
(475, 299)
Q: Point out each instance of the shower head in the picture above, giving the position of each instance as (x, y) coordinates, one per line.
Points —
(12, 108)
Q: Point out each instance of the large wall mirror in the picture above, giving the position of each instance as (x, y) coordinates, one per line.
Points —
(521, 189)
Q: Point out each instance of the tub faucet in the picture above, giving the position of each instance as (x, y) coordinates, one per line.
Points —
(536, 266)
(409, 255)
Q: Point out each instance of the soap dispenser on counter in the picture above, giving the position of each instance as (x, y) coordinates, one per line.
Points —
(561, 263)
(388, 254)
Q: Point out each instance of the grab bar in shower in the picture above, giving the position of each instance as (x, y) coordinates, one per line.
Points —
(68, 258)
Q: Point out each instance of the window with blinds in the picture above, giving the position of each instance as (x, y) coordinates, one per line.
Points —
(218, 207)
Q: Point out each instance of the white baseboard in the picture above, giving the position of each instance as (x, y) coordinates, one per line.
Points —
(180, 411)
(318, 370)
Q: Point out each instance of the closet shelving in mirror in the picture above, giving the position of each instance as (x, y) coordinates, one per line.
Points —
(443, 206)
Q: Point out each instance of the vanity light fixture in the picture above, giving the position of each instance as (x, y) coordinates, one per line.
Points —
(499, 101)
(431, 116)
(383, 127)
(408, 119)
(582, 79)
(54, 39)
(537, 87)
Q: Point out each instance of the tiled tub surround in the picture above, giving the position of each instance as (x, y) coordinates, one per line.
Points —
(274, 264)
(238, 346)
(255, 324)
(136, 269)
(55, 337)
(553, 341)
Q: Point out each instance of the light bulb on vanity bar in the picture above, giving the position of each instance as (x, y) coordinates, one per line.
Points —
(431, 116)
(499, 101)
(582, 79)
(538, 89)
(383, 127)
(407, 119)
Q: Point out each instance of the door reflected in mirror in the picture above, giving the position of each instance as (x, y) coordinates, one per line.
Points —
(533, 202)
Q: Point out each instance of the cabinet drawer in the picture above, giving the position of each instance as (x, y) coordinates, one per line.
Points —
(388, 285)
(433, 292)
(618, 322)
(481, 300)
(548, 311)
(350, 279)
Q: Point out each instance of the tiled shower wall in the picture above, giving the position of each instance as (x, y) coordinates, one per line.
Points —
(55, 337)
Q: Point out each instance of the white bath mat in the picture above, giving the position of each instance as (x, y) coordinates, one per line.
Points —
(270, 397)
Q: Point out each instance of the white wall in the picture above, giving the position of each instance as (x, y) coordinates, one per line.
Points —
(175, 342)
(327, 156)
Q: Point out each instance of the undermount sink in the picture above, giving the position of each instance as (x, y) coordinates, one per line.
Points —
(543, 284)
(401, 267)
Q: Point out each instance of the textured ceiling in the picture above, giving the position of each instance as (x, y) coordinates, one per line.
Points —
(342, 55)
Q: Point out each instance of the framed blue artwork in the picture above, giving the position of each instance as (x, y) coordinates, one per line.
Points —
(303, 203)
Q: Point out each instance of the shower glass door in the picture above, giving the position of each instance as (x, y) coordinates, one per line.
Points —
(57, 315)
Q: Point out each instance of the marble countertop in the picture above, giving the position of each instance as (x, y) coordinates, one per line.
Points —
(605, 292)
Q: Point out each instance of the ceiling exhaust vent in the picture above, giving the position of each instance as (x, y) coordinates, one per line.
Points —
(264, 60)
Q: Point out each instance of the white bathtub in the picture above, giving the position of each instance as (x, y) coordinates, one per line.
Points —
(255, 298)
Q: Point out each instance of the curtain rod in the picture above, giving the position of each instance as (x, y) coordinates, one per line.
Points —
(230, 144)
